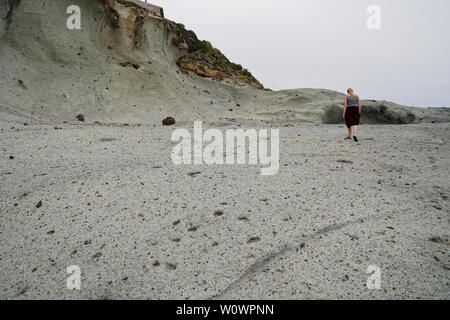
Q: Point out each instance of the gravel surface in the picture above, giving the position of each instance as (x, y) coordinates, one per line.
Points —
(108, 199)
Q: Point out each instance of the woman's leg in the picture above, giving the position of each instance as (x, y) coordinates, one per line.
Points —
(350, 132)
(355, 130)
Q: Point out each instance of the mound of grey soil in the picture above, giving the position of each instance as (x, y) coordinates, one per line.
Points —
(128, 65)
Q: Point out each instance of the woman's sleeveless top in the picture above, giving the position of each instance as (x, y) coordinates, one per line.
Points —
(350, 103)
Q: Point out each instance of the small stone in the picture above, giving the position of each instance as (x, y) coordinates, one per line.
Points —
(218, 213)
(254, 239)
(22, 84)
(97, 255)
(80, 117)
(440, 240)
(39, 204)
(171, 266)
(345, 161)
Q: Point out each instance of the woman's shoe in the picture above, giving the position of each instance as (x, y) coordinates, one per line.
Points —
(348, 138)
(355, 138)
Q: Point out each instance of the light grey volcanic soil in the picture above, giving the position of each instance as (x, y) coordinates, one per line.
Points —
(140, 227)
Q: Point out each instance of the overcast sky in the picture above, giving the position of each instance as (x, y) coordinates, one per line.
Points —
(326, 44)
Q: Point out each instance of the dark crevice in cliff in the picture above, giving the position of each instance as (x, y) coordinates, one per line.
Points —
(12, 4)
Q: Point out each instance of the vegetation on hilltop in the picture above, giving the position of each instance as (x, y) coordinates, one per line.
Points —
(203, 59)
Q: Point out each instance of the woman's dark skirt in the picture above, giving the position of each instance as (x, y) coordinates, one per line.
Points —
(352, 117)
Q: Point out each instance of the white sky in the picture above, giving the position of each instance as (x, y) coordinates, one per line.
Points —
(326, 44)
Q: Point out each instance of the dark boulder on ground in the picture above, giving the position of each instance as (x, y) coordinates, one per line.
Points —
(80, 117)
(169, 121)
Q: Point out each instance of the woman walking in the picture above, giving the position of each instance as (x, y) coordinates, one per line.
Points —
(352, 114)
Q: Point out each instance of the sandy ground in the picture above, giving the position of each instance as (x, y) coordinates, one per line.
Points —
(114, 204)
(52, 73)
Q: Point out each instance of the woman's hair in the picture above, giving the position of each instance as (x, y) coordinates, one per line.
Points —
(352, 95)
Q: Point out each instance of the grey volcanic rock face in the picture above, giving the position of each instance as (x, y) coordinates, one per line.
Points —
(126, 71)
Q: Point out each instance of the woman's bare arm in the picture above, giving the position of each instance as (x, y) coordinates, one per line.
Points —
(345, 107)
(359, 105)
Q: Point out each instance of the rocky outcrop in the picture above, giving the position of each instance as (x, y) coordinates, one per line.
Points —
(154, 10)
(197, 57)
(128, 20)
(204, 60)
